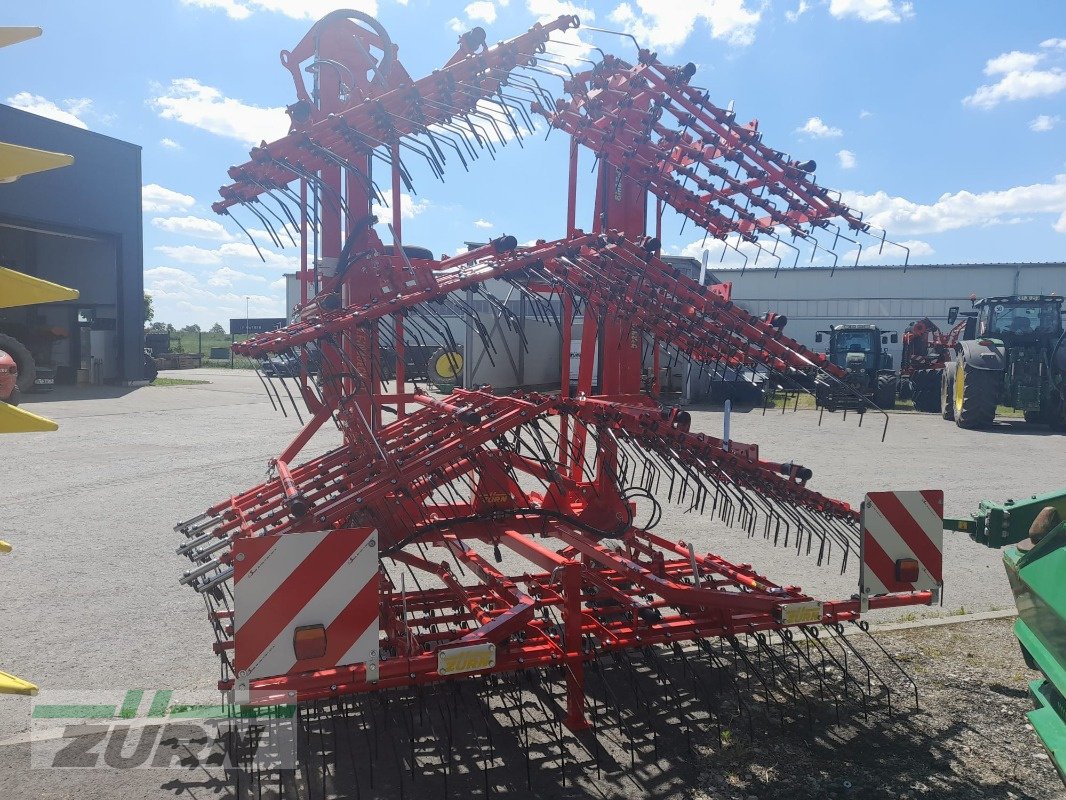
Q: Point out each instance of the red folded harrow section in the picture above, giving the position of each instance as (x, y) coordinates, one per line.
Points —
(469, 533)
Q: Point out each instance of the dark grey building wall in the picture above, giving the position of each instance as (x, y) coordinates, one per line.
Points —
(99, 194)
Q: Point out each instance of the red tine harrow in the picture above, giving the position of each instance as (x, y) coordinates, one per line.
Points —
(472, 534)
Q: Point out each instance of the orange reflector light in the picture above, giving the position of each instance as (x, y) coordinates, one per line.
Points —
(986, 343)
(309, 641)
(906, 570)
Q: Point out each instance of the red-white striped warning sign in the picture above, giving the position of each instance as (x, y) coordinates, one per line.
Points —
(292, 590)
(902, 542)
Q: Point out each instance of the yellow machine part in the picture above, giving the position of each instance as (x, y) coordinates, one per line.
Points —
(18, 420)
(17, 289)
(9, 684)
(9, 35)
(16, 161)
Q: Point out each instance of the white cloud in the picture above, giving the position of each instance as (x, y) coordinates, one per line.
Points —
(482, 223)
(871, 10)
(1014, 61)
(205, 107)
(482, 10)
(43, 107)
(667, 26)
(818, 129)
(1054, 43)
(870, 255)
(801, 9)
(296, 9)
(457, 25)
(1060, 225)
(169, 276)
(1019, 78)
(410, 207)
(963, 209)
(225, 277)
(170, 143)
(864, 114)
(227, 253)
(158, 199)
(190, 254)
(847, 159)
(193, 226)
(1044, 123)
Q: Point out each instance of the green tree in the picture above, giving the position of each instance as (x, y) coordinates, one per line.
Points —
(158, 327)
(149, 311)
(194, 328)
(218, 329)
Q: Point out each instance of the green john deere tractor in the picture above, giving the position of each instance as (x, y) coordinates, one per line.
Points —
(1012, 353)
(870, 379)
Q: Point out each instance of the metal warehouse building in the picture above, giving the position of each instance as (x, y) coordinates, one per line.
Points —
(79, 226)
(890, 297)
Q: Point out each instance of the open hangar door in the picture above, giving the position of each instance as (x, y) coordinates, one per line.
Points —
(70, 342)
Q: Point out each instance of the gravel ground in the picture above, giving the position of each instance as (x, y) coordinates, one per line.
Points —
(969, 740)
(91, 599)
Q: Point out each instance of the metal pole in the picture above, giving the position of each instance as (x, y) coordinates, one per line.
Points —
(247, 303)
(725, 423)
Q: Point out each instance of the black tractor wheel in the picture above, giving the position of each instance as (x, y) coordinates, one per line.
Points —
(23, 360)
(1033, 417)
(908, 386)
(947, 392)
(975, 395)
(15, 397)
(1055, 416)
(927, 391)
(151, 371)
(885, 394)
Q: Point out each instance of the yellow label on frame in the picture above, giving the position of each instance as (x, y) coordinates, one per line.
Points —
(472, 658)
(801, 613)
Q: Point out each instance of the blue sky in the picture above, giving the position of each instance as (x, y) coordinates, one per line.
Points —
(944, 121)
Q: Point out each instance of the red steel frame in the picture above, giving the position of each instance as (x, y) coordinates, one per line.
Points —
(553, 480)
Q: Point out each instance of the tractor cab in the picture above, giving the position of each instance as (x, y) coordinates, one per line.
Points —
(858, 348)
(1024, 318)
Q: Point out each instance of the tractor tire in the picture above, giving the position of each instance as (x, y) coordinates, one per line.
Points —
(23, 360)
(947, 392)
(1033, 417)
(926, 391)
(885, 394)
(976, 395)
(908, 386)
(15, 397)
(1055, 416)
(445, 367)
